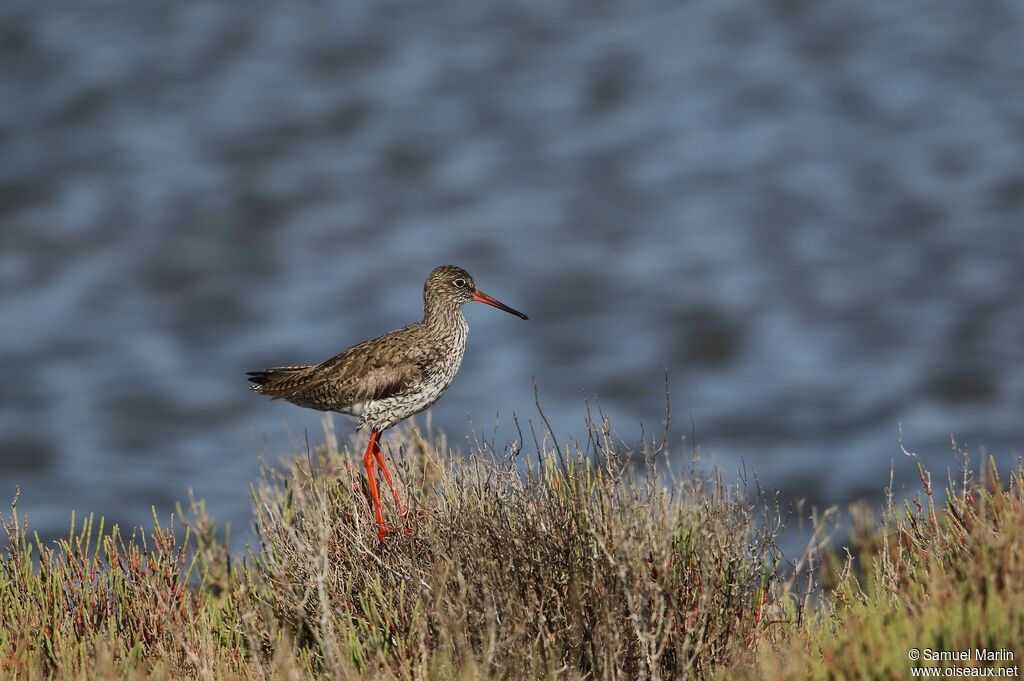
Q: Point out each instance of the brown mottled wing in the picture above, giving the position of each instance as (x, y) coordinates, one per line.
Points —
(383, 367)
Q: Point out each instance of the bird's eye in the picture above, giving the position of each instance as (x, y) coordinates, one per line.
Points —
(461, 283)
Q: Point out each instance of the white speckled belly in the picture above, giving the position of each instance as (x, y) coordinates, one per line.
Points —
(381, 414)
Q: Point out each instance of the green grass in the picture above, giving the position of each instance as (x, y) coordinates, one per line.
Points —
(557, 565)
(948, 577)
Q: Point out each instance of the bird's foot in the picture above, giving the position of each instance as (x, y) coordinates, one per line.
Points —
(385, 531)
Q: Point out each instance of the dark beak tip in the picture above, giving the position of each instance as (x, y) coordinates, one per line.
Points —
(481, 297)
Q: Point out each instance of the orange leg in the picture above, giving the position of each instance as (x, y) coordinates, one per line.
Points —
(379, 455)
(368, 461)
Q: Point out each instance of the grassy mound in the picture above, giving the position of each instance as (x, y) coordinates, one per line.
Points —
(565, 565)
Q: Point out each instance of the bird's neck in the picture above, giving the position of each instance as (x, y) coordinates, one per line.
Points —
(440, 315)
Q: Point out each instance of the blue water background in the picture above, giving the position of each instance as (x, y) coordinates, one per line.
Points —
(810, 214)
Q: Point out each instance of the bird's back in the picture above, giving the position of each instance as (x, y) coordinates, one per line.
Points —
(381, 380)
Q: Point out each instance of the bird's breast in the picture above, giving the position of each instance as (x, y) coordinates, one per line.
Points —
(434, 381)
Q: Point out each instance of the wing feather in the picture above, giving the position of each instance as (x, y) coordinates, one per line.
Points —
(375, 370)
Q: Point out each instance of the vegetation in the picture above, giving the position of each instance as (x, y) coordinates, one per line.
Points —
(570, 563)
(947, 578)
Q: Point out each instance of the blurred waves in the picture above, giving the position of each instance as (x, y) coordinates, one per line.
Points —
(811, 213)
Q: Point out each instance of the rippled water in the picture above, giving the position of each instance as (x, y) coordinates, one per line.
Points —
(812, 214)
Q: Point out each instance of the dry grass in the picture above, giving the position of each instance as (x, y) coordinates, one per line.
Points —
(517, 570)
(565, 564)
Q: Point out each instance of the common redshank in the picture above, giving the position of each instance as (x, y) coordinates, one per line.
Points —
(390, 378)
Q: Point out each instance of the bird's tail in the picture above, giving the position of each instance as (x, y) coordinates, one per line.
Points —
(272, 381)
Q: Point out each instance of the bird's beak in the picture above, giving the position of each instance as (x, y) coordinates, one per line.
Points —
(481, 297)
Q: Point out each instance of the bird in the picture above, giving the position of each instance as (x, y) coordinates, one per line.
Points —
(387, 379)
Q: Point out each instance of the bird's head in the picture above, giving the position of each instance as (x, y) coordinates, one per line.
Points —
(453, 284)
